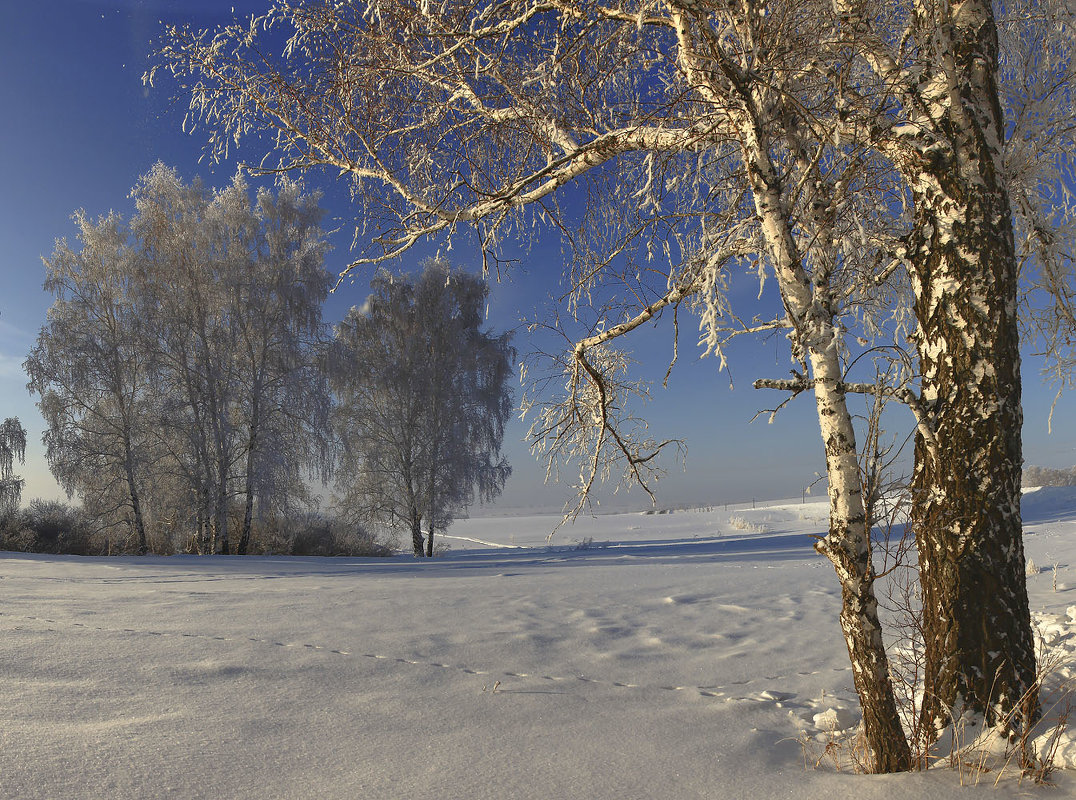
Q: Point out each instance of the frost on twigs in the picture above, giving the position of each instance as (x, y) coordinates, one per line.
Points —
(580, 410)
(1037, 68)
(579, 395)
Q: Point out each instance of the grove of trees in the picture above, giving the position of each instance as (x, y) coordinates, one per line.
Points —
(178, 359)
(235, 291)
(185, 375)
(874, 159)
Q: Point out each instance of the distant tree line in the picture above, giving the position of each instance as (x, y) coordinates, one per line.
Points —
(54, 527)
(185, 376)
(1049, 476)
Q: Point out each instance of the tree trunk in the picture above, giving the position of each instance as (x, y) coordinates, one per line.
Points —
(132, 492)
(248, 511)
(205, 534)
(220, 522)
(136, 507)
(416, 535)
(979, 649)
(248, 517)
(847, 545)
(221, 507)
(431, 490)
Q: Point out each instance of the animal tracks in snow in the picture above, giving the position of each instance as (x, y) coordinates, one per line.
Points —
(182, 635)
(731, 692)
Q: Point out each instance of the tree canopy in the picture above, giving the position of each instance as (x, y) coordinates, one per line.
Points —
(423, 400)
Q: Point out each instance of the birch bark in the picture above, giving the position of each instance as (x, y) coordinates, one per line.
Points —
(847, 544)
(811, 309)
(980, 653)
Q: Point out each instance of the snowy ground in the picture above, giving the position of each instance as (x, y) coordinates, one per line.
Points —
(677, 656)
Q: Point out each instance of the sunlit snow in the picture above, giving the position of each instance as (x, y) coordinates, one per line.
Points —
(681, 655)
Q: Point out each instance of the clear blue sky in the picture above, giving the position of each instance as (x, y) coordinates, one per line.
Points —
(77, 128)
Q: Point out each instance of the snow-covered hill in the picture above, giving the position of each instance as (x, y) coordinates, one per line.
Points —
(655, 656)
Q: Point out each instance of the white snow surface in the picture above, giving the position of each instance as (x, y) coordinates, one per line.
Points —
(673, 656)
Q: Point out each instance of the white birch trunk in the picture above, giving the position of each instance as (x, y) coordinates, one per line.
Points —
(847, 545)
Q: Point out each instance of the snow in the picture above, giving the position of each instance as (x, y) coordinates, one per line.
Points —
(636, 656)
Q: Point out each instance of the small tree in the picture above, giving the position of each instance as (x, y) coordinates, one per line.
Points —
(12, 446)
(423, 402)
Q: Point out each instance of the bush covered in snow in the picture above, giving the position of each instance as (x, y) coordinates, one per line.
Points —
(49, 527)
(742, 524)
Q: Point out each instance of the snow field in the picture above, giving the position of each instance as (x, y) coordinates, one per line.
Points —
(677, 656)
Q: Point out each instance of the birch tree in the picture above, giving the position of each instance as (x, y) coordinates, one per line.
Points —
(186, 267)
(275, 294)
(91, 369)
(949, 145)
(707, 136)
(423, 400)
(1038, 86)
(980, 651)
(12, 448)
(687, 172)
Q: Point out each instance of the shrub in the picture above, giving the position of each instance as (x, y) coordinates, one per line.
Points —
(315, 538)
(741, 524)
(47, 526)
(314, 534)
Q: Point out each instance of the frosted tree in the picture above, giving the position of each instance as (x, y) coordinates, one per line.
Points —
(12, 448)
(235, 293)
(185, 265)
(684, 194)
(707, 137)
(180, 359)
(423, 400)
(274, 297)
(91, 369)
(1038, 69)
(948, 144)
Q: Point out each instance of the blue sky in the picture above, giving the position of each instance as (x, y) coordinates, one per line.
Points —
(78, 128)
